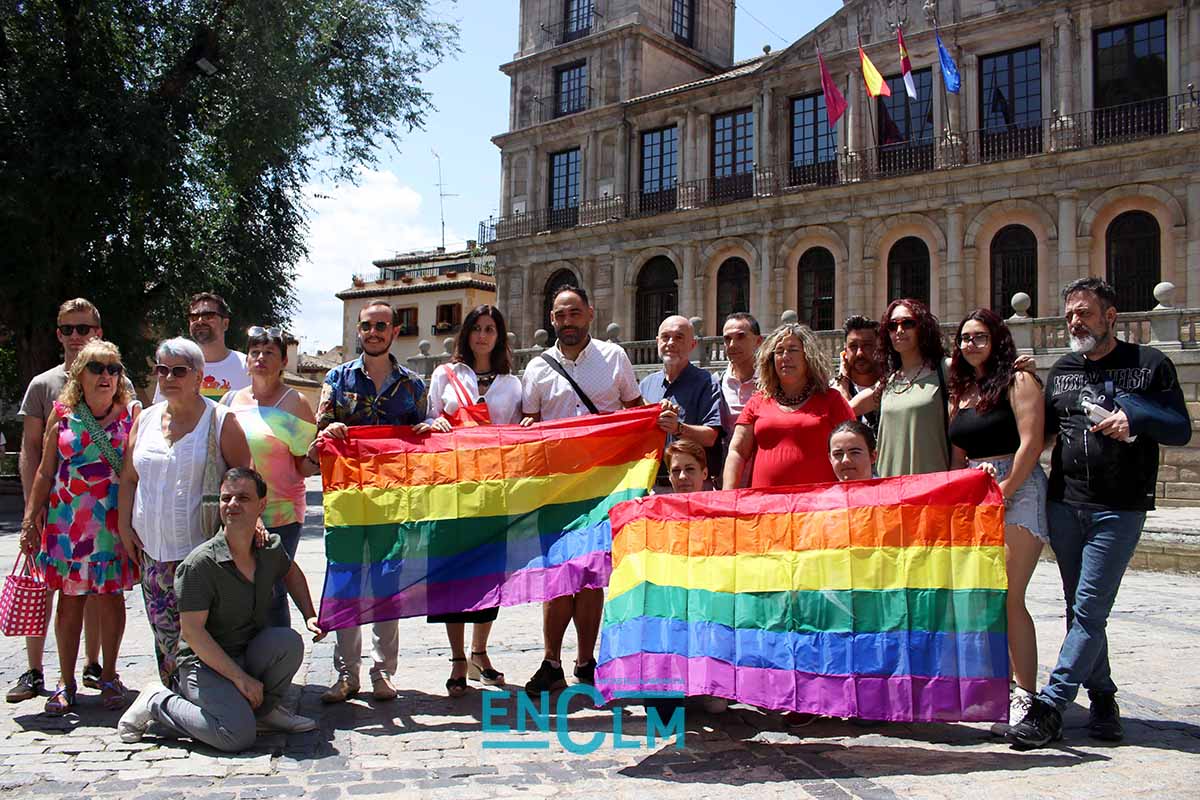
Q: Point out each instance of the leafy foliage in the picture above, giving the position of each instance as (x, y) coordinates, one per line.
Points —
(132, 176)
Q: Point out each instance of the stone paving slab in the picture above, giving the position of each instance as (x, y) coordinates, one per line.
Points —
(429, 746)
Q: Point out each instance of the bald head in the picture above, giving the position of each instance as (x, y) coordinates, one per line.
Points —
(676, 340)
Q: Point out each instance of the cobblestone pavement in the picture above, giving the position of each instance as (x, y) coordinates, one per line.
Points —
(425, 744)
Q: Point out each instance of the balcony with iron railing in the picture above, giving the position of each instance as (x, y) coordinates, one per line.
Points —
(1163, 116)
(574, 27)
(436, 271)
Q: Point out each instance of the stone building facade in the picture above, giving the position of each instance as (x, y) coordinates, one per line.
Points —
(644, 164)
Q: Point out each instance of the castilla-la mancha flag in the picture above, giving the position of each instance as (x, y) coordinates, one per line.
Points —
(906, 66)
(881, 599)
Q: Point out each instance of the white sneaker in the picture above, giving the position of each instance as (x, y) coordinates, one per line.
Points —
(133, 723)
(1018, 706)
(280, 719)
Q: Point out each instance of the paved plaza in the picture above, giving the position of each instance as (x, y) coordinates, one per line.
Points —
(427, 745)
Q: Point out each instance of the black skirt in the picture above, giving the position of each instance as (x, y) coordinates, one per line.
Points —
(482, 615)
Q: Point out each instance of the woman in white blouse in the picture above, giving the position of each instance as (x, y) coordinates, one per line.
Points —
(479, 372)
(162, 485)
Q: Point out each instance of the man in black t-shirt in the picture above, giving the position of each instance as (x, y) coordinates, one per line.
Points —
(1110, 404)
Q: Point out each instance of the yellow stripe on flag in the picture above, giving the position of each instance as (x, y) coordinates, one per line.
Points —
(876, 85)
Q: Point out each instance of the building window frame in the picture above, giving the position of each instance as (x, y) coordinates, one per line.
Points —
(659, 169)
(814, 144)
(732, 155)
(571, 88)
(683, 21)
(407, 321)
(1013, 256)
(565, 174)
(447, 318)
(1127, 106)
(577, 19)
(816, 278)
(1010, 125)
(907, 276)
(1133, 258)
(913, 152)
(733, 287)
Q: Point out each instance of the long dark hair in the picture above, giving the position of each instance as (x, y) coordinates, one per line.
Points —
(998, 370)
(501, 357)
(929, 337)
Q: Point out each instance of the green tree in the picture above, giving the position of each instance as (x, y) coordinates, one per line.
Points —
(150, 149)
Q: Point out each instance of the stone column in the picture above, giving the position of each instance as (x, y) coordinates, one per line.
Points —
(765, 312)
(856, 120)
(532, 306)
(757, 105)
(939, 114)
(1084, 62)
(765, 156)
(1193, 237)
(505, 185)
(954, 101)
(1068, 266)
(1064, 49)
(533, 194)
(687, 296)
(1194, 53)
(689, 143)
(955, 300)
(591, 166)
(1176, 27)
(858, 300)
(621, 161)
(620, 298)
(968, 71)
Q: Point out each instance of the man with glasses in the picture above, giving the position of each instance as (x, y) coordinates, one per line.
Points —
(224, 369)
(78, 323)
(373, 389)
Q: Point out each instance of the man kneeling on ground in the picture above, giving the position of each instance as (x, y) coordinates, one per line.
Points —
(232, 669)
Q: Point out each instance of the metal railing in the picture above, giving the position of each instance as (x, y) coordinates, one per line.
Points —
(1163, 116)
(570, 29)
(436, 270)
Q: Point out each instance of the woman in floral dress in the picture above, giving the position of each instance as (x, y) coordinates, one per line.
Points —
(79, 549)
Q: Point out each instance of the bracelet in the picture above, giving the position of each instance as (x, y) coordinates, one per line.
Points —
(678, 426)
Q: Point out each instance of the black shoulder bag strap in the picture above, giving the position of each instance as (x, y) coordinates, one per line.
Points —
(941, 372)
(557, 367)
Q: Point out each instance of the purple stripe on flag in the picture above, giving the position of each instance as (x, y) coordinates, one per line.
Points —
(895, 698)
(535, 585)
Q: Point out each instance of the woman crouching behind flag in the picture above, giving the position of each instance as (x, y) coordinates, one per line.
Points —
(477, 387)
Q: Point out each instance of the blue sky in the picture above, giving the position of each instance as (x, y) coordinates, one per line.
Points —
(394, 206)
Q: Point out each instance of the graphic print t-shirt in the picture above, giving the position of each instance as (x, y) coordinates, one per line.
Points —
(221, 377)
(1091, 469)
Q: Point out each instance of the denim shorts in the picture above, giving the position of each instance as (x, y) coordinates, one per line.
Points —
(1027, 507)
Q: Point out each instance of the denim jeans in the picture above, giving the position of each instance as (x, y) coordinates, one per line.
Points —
(1093, 547)
(280, 614)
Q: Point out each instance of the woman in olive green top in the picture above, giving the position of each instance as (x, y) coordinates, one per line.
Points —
(912, 396)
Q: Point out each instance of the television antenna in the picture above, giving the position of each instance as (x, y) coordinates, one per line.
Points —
(442, 195)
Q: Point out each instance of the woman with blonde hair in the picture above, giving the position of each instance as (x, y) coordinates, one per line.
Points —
(785, 426)
(79, 549)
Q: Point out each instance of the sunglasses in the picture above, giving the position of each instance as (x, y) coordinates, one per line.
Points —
(256, 331)
(99, 368)
(181, 371)
(379, 327)
(977, 339)
(204, 316)
(82, 330)
(907, 323)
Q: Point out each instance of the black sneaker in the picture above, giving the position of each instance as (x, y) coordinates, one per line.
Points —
(1041, 726)
(586, 673)
(91, 676)
(1104, 721)
(28, 686)
(548, 678)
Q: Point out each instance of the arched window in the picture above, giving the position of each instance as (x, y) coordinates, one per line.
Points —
(908, 270)
(657, 295)
(1014, 268)
(814, 282)
(564, 277)
(733, 288)
(1134, 259)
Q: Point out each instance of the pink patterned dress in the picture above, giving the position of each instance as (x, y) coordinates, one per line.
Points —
(81, 551)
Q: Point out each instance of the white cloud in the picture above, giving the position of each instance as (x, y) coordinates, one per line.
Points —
(349, 227)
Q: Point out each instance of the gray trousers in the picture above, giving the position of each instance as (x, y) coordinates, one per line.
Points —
(209, 708)
(385, 647)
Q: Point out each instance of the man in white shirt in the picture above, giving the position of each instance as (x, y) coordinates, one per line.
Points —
(742, 336)
(604, 374)
(224, 369)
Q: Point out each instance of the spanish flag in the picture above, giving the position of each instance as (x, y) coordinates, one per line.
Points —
(906, 66)
(876, 85)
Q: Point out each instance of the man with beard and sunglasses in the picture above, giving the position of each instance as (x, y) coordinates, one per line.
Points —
(224, 369)
(78, 323)
(1110, 404)
(859, 374)
(605, 380)
(373, 389)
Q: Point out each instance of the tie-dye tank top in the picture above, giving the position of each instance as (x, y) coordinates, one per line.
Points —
(275, 436)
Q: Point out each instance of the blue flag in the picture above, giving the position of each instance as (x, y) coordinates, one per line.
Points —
(949, 69)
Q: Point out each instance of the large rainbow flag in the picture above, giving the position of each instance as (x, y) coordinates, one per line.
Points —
(478, 517)
(877, 599)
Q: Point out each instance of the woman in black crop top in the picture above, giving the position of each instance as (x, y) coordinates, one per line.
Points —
(997, 414)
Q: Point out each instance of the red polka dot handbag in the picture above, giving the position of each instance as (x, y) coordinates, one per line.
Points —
(23, 600)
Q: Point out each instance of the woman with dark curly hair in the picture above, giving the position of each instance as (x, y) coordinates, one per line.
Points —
(912, 397)
(997, 413)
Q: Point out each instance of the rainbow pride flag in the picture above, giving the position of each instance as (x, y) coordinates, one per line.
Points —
(495, 515)
(877, 599)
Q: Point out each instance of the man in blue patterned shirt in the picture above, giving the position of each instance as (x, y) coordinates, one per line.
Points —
(373, 389)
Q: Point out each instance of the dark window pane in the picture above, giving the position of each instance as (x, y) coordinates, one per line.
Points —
(733, 287)
(815, 279)
(908, 270)
(1130, 63)
(657, 296)
(1133, 247)
(577, 19)
(570, 89)
(733, 155)
(681, 20)
(906, 125)
(564, 277)
(814, 148)
(660, 156)
(564, 188)
(1014, 268)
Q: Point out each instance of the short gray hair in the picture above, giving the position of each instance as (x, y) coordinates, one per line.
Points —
(180, 347)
